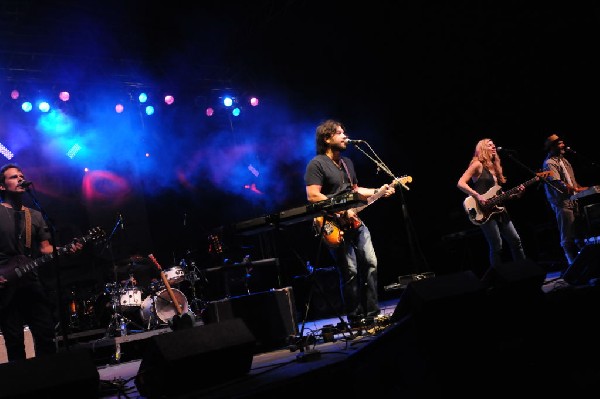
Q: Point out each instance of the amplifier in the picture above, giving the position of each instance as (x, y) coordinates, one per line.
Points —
(270, 316)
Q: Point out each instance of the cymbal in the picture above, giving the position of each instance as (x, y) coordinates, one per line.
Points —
(140, 267)
(133, 263)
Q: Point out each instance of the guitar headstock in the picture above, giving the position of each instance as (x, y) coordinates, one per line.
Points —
(93, 234)
(405, 179)
(402, 181)
(544, 174)
(153, 259)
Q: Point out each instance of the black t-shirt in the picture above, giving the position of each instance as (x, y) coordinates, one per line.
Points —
(322, 171)
(12, 233)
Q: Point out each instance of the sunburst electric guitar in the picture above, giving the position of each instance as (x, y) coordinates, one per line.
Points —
(332, 227)
(479, 214)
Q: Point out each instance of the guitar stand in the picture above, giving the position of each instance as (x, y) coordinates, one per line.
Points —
(300, 341)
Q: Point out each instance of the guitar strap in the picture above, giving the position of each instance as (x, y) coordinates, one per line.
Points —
(347, 171)
(27, 228)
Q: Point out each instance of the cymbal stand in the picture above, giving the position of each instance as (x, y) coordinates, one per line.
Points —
(118, 322)
(197, 304)
(153, 321)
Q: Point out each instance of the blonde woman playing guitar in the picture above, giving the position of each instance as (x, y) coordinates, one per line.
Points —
(483, 173)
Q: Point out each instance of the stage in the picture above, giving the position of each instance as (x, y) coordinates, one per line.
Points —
(517, 330)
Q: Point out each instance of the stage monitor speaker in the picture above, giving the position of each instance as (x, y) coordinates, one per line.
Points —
(69, 374)
(270, 315)
(440, 295)
(187, 360)
(585, 267)
(523, 276)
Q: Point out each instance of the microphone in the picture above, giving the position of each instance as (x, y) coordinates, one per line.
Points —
(507, 150)
(25, 183)
(121, 221)
(569, 149)
(355, 141)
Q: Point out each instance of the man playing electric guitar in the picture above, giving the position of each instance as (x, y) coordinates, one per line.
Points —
(329, 174)
(337, 224)
(23, 232)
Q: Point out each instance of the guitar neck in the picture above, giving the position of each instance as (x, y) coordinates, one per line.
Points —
(381, 193)
(165, 281)
(503, 196)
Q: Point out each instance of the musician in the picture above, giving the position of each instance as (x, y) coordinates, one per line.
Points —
(329, 174)
(561, 186)
(481, 180)
(24, 301)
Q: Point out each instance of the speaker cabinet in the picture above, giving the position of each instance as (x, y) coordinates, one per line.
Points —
(442, 295)
(70, 374)
(270, 315)
(187, 360)
(523, 276)
(585, 267)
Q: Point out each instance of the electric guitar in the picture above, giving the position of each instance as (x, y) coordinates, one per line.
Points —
(181, 319)
(479, 214)
(333, 227)
(20, 265)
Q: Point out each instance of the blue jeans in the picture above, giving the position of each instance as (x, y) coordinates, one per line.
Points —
(357, 265)
(565, 218)
(494, 231)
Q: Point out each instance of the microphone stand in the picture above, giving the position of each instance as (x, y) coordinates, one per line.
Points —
(55, 259)
(546, 181)
(407, 222)
(585, 159)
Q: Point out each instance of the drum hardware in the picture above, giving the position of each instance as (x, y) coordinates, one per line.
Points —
(119, 323)
(198, 305)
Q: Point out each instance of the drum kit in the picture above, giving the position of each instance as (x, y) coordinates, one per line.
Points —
(137, 300)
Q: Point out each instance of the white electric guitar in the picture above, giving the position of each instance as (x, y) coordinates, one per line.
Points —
(479, 214)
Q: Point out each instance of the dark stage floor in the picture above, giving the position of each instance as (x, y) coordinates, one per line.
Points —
(516, 332)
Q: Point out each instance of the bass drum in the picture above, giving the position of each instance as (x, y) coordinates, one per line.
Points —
(165, 309)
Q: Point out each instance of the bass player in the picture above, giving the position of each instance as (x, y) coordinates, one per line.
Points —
(329, 174)
(483, 175)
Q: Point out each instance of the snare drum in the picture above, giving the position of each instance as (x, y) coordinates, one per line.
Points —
(175, 275)
(165, 308)
(131, 298)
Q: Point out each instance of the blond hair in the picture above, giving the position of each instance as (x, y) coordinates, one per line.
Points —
(489, 160)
